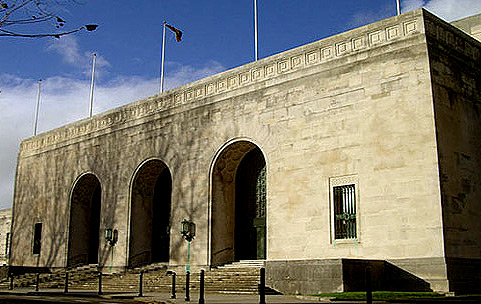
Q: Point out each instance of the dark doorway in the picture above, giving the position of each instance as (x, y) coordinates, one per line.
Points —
(84, 222)
(250, 207)
(150, 215)
(238, 204)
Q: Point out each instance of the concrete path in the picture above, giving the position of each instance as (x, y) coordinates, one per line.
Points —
(23, 295)
(77, 296)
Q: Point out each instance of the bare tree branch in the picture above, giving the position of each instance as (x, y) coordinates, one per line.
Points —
(88, 27)
(10, 9)
(26, 13)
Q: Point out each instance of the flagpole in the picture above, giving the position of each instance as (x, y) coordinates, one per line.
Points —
(92, 85)
(37, 105)
(255, 30)
(162, 62)
(398, 7)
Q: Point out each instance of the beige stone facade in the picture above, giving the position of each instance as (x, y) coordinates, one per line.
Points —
(5, 226)
(391, 109)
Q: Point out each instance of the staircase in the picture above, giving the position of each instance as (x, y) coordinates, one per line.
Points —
(236, 278)
(54, 279)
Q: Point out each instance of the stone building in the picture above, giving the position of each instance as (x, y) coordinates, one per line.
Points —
(359, 149)
(5, 225)
(471, 25)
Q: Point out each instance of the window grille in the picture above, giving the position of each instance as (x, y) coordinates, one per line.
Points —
(261, 194)
(7, 244)
(37, 238)
(345, 212)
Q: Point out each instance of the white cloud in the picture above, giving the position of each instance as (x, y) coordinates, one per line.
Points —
(16, 121)
(68, 49)
(366, 17)
(449, 10)
(64, 100)
(409, 5)
(185, 73)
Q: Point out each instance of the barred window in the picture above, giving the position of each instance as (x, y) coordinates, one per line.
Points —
(344, 212)
(7, 244)
(37, 238)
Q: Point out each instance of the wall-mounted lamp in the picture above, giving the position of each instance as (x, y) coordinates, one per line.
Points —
(188, 233)
(111, 236)
(188, 230)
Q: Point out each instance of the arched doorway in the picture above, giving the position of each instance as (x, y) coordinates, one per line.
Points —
(84, 221)
(238, 204)
(150, 214)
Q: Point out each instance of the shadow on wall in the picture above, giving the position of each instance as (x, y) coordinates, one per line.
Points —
(464, 275)
(384, 276)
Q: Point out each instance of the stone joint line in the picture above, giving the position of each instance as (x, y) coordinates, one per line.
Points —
(320, 53)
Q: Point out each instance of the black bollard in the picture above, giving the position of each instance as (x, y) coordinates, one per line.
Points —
(11, 282)
(187, 279)
(173, 286)
(201, 291)
(141, 279)
(368, 285)
(37, 282)
(66, 282)
(262, 285)
(100, 283)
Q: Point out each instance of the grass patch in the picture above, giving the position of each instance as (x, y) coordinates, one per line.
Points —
(469, 296)
(380, 295)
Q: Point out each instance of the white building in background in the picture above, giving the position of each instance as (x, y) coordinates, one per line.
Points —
(5, 225)
(471, 25)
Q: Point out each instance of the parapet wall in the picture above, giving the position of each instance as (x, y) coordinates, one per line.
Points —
(265, 72)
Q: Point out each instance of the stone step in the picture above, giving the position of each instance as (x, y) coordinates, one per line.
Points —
(243, 263)
(238, 277)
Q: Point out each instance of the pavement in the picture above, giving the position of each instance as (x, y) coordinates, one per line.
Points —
(21, 295)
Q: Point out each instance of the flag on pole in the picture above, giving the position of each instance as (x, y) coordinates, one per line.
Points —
(178, 37)
(92, 85)
(178, 33)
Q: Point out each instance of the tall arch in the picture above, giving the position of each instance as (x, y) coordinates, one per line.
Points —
(84, 221)
(238, 221)
(150, 214)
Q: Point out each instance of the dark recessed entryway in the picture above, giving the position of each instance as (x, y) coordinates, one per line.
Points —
(84, 221)
(239, 204)
(150, 214)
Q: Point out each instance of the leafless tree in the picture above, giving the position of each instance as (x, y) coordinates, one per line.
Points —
(18, 15)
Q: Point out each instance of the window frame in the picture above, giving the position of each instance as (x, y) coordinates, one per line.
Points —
(340, 181)
(37, 238)
(8, 243)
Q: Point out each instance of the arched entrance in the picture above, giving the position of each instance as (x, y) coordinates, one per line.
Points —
(150, 214)
(84, 221)
(238, 204)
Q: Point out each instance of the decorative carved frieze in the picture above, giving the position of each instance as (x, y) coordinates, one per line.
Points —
(446, 34)
(314, 54)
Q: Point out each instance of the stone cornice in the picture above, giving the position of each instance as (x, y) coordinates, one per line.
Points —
(453, 37)
(342, 45)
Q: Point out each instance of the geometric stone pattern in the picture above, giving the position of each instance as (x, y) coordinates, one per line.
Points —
(445, 34)
(343, 180)
(314, 54)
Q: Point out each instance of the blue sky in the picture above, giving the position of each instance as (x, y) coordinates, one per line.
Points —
(218, 35)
